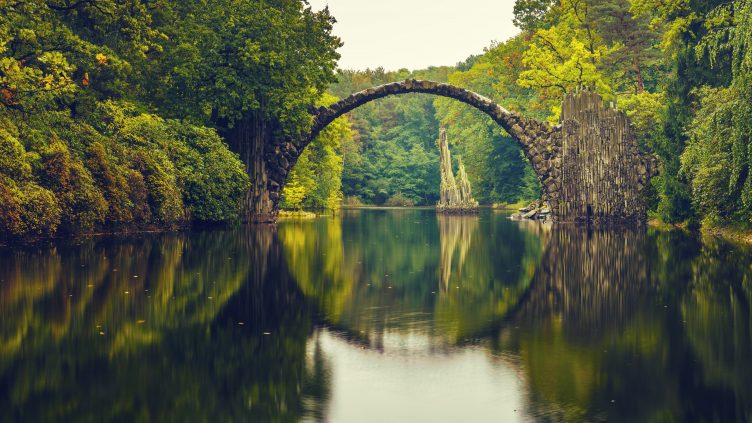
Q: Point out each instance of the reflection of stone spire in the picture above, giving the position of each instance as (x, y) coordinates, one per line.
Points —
(456, 195)
(450, 195)
(455, 235)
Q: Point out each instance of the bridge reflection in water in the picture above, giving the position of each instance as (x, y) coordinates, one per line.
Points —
(328, 318)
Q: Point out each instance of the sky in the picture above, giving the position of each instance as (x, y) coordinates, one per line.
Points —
(416, 34)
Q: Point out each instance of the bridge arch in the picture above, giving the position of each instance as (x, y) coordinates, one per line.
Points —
(540, 141)
(589, 166)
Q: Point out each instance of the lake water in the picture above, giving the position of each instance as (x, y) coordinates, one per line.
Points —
(378, 316)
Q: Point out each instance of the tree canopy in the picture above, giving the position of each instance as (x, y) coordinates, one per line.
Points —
(110, 110)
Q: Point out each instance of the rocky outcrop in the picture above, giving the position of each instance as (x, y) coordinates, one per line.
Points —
(536, 210)
(603, 173)
(455, 194)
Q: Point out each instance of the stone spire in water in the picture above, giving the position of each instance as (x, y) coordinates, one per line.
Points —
(466, 195)
(449, 193)
(456, 196)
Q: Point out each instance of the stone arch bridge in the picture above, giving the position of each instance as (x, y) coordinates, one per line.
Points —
(589, 165)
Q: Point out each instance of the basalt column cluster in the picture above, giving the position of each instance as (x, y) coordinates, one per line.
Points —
(603, 172)
(456, 196)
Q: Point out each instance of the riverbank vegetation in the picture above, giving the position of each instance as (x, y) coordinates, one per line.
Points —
(113, 113)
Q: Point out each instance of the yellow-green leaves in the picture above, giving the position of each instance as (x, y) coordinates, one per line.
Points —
(564, 57)
(316, 180)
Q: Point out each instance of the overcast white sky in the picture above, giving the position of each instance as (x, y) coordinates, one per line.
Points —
(415, 34)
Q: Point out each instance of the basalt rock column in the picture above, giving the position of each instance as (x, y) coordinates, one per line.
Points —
(603, 173)
(456, 196)
(450, 195)
(463, 184)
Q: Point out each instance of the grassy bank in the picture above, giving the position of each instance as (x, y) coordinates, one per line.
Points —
(512, 206)
(735, 234)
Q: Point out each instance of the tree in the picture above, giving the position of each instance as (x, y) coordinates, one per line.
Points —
(566, 56)
(530, 15)
(635, 42)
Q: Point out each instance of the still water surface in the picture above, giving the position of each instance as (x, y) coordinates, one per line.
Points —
(378, 316)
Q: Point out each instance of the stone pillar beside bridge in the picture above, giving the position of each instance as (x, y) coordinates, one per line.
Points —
(603, 173)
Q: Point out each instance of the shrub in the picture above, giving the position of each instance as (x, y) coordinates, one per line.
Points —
(112, 181)
(213, 177)
(11, 209)
(352, 201)
(13, 157)
(41, 213)
(139, 197)
(399, 200)
(82, 204)
(165, 199)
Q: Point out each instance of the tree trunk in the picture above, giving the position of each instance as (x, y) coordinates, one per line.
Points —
(640, 80)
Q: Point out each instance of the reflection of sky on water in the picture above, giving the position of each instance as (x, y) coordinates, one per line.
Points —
(408, 382)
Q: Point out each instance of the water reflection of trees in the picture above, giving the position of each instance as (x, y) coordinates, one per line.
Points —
(626, 326)
(149, 329)
(373, 273)
(601, 325)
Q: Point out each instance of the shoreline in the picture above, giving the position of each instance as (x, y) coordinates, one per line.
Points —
(736, 236)
(726, 233)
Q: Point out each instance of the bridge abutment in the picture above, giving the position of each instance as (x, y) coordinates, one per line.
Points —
(603, 173)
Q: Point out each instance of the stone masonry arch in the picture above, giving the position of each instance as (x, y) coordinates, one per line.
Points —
(589, 165)
(540, 141)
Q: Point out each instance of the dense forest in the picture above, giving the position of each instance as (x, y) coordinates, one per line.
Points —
(681, 70)
(118, 114)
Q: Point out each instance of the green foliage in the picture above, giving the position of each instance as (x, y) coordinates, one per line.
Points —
(80, 83)
(40, 212)
(567, 55)
(134, 169)
(315, 181)
(395, 149)
(225, 58)
(681, 71)
(495, 166)
(399, 200)
(529, 15)
(719, 152)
